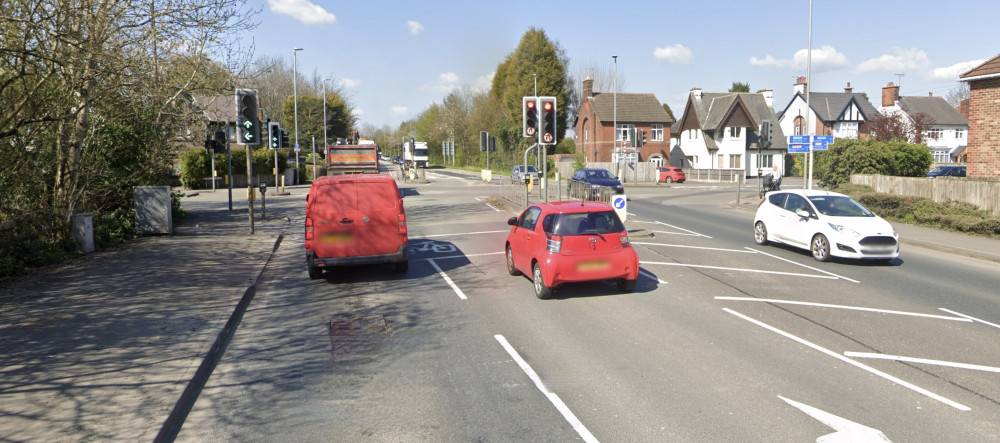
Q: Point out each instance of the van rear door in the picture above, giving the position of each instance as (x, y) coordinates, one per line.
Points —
(379, 209)
(335, 219)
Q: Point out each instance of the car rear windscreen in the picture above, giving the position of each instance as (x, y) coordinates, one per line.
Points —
(603, 222)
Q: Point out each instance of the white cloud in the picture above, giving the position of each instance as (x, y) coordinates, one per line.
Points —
(415, 27)
(445, 84)
(824, 58)
(399, 110)
(303, 10)
(449, 77)
(952, 72)
(484, 83)
(350, 82)
(899, 61)
(358, 112)
(678, 54)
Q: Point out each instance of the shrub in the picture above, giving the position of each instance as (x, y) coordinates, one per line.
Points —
(845, 157)
(195, 167)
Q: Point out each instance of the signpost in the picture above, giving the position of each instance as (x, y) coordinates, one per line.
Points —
(802, 144)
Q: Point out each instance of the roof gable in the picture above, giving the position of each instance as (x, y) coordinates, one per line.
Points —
(832, 106)
(989, 68)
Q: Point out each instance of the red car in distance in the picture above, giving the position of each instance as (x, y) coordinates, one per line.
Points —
(670, 174)
(560, 242)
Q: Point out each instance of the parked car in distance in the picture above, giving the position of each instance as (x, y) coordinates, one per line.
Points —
(354, 220)
(519, 171)
(670, 174)
(560, 242)
(597, 178)
(825, 223)
(947, 171)
(397, 159)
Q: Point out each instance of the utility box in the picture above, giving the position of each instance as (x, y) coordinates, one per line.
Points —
(153, 211)
(83, 231)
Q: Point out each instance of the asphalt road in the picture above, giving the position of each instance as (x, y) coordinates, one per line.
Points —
(723, 340)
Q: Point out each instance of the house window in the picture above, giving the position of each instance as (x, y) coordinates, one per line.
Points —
(935, 134)
(656, 133)
(622, 134)
(959, 134)
(766, 161)
(800, 125)
(734, 131)
(692, 134)
(692, 160)
(734, 161)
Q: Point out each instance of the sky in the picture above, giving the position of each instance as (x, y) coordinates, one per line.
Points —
(396, 58)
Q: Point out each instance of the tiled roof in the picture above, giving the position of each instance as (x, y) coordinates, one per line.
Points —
(714, 107)
(939, 111)
(632, 108)
(217, 108)
(830, 105)
(990, 68)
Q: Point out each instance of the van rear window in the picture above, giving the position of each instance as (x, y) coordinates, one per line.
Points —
(377, 196)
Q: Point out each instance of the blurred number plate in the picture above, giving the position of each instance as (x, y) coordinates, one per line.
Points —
(340, 237)
(593, 265)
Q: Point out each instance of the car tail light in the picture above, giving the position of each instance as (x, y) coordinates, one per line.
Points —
(624, 238)
(402, 223)
(309, 228)
(554, 244)
(761, 202)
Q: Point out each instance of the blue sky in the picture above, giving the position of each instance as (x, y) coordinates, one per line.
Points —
(395, 58)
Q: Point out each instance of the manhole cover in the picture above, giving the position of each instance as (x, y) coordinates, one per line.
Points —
(372, 324)
(357, 337)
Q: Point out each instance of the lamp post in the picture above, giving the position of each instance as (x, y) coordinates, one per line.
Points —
(809, 125)
(325, 123)
(295, 101)
(614, 88)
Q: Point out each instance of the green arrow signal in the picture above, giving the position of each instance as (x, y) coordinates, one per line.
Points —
(248, 124)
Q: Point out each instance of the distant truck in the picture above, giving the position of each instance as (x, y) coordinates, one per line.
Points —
(415, 154)
(360, 158)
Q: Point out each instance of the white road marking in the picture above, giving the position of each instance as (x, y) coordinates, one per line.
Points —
(970, 318)
(447, 279)
(804, 266)
(741, 251)
(454, 234)
(723, 268)
(922, 360)
(677, 233)
(556, 401)
(846, 430)
(850, 308)
(650, 275)
(682, 229)
(852, 362)
(464, 256)
(478, 199)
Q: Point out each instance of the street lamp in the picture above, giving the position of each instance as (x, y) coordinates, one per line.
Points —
(614, 88)
(295, 100)
(325, 123)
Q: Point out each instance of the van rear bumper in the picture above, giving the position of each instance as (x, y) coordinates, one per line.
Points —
(402, 255)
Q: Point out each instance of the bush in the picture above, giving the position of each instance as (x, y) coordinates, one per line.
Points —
(955, 216)
(195, 167)
(845, 157)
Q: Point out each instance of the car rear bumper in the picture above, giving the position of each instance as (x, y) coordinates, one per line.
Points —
(399, 256)
(578, 268)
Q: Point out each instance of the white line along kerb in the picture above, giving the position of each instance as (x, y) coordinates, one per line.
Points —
(447, 279)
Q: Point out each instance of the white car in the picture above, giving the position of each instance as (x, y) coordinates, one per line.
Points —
(826, 223)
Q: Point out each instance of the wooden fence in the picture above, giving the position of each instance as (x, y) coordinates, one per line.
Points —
(984, 193)
(647, 172)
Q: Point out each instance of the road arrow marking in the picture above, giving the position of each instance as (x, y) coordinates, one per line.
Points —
(846, 430)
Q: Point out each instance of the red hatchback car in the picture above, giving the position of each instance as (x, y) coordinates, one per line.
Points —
(562, 242)
(670, 174)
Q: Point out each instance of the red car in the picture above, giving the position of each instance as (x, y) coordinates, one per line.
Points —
(670, 174)
(562, 242)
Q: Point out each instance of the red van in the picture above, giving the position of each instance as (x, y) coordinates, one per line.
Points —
(355, 220)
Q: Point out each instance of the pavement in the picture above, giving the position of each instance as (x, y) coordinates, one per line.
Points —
(113, 345)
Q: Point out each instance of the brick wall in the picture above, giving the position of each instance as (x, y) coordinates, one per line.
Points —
(984, 129)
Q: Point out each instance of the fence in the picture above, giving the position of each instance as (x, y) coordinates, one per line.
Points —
(647, 172)
(982, 193)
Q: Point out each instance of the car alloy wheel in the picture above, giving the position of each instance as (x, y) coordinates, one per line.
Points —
(820, 248)
(669, 180)
(760, 233)
(541, 291)
(510, 262)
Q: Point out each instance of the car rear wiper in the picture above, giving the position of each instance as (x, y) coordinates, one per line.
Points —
(598, 233)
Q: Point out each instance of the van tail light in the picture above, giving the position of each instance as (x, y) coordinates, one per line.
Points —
(402, 223)
(309, 228)
(554, 244)
(624, 238)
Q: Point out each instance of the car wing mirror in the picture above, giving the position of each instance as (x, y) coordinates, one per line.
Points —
(512, 221)
(803, 213)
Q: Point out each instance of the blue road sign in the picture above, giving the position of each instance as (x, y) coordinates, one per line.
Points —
(618, 202)
(798, 148)
(818, 145)
(798, 139)
(826, 139)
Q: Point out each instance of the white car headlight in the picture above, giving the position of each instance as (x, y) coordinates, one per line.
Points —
(844, 230)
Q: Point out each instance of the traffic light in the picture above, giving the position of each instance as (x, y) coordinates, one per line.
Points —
(274, 135)
(641, 140)
(284, 139)
(220, 140)
(247, 120)
(765, 134)
(493, 143)
(210, 146)
(484, 140)
(529, 124)
(548, 120)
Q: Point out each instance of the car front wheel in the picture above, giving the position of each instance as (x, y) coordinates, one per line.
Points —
(820, 248)
(541, 291)
(625, 285)
(760, 233)
(510, 262)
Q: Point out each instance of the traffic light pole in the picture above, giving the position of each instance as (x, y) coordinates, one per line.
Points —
(250, 186)
(229, 171)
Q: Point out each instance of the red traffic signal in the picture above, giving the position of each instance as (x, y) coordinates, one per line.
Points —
(529, 123)
(548, 120)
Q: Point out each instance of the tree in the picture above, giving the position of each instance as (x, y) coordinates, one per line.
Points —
(666, 107)
(740, 87)
(959, 92)
(845, 157)
(896, 126)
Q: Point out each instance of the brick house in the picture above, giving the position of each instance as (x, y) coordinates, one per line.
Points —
(946, 130)
(984, 119)
(719, 130)
(595, 125)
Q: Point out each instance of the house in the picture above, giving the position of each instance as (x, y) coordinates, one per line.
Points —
(719, 130)
(597, 139)
(840, 114)
(984, 119)
(946, 128)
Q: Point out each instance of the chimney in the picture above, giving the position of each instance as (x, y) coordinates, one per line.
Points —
(588, 87)
(963, 108)
(800, 86)
(930, 94)
(890, 95)
(768, 97)
(848, 89)
(696, 92)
